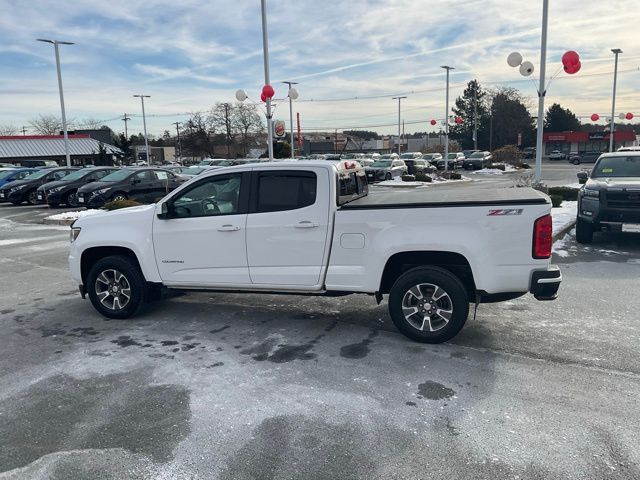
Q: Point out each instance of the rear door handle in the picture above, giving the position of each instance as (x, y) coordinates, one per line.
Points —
(228, 228)
(306, 224)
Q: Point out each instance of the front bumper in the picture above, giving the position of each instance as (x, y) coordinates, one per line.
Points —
(91, 201)
(605, 217)
(545, 283)
(13, 196)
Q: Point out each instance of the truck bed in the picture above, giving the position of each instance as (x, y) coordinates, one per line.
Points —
(446, 196)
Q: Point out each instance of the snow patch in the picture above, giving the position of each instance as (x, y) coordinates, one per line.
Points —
(564, 215)
(74, 215)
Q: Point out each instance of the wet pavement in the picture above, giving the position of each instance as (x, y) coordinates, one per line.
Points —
(264, 386)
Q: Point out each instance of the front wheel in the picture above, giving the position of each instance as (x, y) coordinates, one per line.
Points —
(584, 231)
(428, 304)
(388, 176)
(116, 287)
(32, 197)
(71, 199)
(119, 197)
(576, 162)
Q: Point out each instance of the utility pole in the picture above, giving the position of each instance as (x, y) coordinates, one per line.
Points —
(24, 131)
(399, 100)
(616, 52)
(144, 123)
(265, 54)
(64, 116)
(291, 114)
(125, 119)
(179, 155)
(446, 121)
(475, 117)
(491, 130)
(541, 92)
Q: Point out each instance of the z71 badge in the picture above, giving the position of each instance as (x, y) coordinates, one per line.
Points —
(505, 211)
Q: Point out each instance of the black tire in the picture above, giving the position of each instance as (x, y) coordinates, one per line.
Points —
(32, 197)
(133, 278)
(16, 202)
(388, 176)
(584, 231)
(54, 205)
(456, 300)
(71, 199)
(119, 196)
(576, 162)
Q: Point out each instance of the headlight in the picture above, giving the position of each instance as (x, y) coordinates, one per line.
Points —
(55, 190)
(17, 189)
(100, 192)
(588, 192)
(75, 231)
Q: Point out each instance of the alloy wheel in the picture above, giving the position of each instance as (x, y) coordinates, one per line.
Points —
(427, 306)
(113, 289)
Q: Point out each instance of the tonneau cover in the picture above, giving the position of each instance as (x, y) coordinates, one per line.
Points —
(446, 196)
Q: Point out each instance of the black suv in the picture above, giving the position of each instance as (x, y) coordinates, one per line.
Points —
(583, 157)
(145, 185)
(610, 199)
(25, 190)
(65, 191)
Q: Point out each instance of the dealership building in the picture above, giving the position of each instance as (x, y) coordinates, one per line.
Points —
(568, 142)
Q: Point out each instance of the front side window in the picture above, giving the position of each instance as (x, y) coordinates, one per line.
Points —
(144, 176)
(215, 196)
(280, 191)
(160, 175)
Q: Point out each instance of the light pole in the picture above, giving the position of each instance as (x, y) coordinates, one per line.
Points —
(399, 100)
(125, 119)
(64, 117)
(537, 178)
(616, 52)
(265, 53)
(144, 123)
(177, 124)
(446, 121)
(292, 94)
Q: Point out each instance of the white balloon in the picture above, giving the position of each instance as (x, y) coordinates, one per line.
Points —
(526, 69)
(514, 59)
(293, 93)
(241, 95)
(622, 116)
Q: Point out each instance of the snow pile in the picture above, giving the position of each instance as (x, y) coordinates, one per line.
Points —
(398, 182)
(564, 215)
(74, 215)
(496, 171)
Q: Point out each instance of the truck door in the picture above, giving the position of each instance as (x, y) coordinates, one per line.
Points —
(287, 226)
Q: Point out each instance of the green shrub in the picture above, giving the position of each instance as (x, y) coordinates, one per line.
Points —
(451, 175)
(566, 193)
(498, 166)
(408, 178)
(423, 177)
(556, 200)
(117, 204)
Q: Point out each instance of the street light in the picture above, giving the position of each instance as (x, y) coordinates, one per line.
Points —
(399, 100)
(144, 123)
(446, 121)
(292, 94)
(616, 52)
(55, 44)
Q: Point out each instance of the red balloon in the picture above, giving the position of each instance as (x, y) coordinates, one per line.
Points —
(595, 117)
(262, 97)
(433, 122)
(629, 116)
(458, 120)
(570, 58)
(571, 69)
(268, 91)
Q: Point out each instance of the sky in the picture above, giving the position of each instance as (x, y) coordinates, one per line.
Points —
(188, 55)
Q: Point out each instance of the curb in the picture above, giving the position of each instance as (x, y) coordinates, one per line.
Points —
(563, 231)
(66, 222)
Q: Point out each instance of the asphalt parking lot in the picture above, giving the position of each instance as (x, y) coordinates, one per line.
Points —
(262, 386)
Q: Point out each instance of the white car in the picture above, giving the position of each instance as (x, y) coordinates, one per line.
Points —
(312, 228)
(557, 155)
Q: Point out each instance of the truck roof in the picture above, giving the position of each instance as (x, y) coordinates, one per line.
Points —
(460, 195)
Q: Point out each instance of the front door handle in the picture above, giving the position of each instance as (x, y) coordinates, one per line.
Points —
(306, 224)
(228, 228)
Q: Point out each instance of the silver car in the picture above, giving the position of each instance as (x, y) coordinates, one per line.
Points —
(385, 170)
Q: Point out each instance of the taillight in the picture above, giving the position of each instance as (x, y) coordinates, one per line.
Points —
(542, 237)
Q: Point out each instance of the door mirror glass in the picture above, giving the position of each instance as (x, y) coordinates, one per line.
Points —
(583, 177)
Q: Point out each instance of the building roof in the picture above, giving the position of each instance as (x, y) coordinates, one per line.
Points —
(42, 146)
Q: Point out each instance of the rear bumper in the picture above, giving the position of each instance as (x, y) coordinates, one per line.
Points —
(545, 283)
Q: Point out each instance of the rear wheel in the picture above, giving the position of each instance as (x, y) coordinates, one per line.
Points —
(428, 304)
(32, 197)
(584, 231)
(71, 199)
(576, 162)
(116, 287)
(388, 176)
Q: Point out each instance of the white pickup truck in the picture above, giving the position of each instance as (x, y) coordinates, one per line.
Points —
(313, 228)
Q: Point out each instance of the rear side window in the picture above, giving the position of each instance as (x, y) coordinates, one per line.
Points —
(280, 191)
(351, 185)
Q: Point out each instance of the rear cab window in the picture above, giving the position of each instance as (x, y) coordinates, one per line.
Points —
(282, 190)
(352, 184)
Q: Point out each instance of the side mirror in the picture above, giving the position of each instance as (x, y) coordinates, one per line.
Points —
(134, 181)
(583, 177)
(164, 211)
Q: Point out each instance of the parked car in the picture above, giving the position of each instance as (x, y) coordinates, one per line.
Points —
(24, 190)
(418, 165)
(216, 162)
(610, 198)
(65, 190)
(454, 159)
(410, 156)
(366, 161)
(432, 158)
(194, 170)
(629, 149)
(279, 227)
(477, 161)
(385, 169)
(38, 163)
(7, 165)
(12, 174)
(144, 185)
(557, 155)
(529, 152)
(584, 157)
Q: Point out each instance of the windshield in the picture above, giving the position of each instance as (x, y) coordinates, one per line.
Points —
(193, 170)
(452, 155)
(76, 175)
(37, 175)
(617, 167)
(409, 156)
(477, 155)
(6, 174)
(382, 163)
(117, 176)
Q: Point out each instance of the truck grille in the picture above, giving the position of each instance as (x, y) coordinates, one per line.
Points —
(623, 199)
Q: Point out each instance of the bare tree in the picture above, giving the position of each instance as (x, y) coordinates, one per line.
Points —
(8, 130)
(246, 120)
(46, 124)
(88, 124)
(221, 117)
